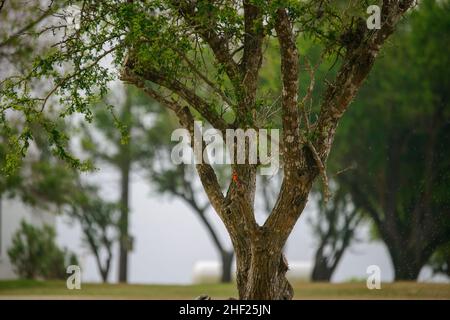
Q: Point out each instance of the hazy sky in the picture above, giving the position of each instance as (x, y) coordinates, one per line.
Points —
(169, 239)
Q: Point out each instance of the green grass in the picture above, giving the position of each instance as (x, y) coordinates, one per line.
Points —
(355, 290)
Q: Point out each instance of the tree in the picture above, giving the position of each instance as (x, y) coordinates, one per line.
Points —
(122, 149)
(158, 47)
(48, 184)
(34, 253)
(334, 228)
(440, 260)
(180, 182)
(19, 25)
(396, 140)
(39, 175)
(99, 223)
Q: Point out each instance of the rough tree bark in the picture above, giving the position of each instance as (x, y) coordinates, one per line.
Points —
(261, 266)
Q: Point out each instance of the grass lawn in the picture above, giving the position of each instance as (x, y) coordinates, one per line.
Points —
(354, 290)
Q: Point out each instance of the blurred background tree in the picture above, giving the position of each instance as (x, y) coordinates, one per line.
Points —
(440, 260)
(334, 229)
(116, 141)
(396, 137)
(20, 25)
(100, 224)
(35, 254)
(181, 182)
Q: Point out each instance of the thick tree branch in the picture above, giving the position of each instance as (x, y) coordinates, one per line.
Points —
(290, 73)
(252, 57)
(240, 196)
(175, 86)
(205, 171)
(358, 61)
(189, 96)
(296, 185)
(206, 27)
(202, 76)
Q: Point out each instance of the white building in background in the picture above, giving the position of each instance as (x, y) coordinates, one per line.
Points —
(210, 272)
(300, 271)
(12, 212)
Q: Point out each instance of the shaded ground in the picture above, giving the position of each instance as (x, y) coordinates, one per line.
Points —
(57, 290)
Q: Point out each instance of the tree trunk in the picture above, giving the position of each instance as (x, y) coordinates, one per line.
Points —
(267, 277)
(261, 272)
(227, 262)
(125, 168)
(124, 237)
(405, 273)
(104, 274)
(321, 271)
(406, 266)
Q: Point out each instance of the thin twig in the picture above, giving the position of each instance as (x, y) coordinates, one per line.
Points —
(64, 80)
(322, 170)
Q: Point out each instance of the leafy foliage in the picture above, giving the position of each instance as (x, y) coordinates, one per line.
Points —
(440, 260)
(395, 140)
(69, 72)
(100, 224)
(34, 253)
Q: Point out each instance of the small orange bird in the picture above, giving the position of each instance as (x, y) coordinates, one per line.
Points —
(235, 178)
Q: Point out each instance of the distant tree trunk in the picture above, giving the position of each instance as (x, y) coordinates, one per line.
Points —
(407, 251)
(406, 272)
(226, 256)
(102, 268)
(325, 265)
(334, 228)
(1, 222)
(446, 270)
(321, 272)
(124, 237)
(407, 262)
(125, 168)
(227, 263)
(104, 275)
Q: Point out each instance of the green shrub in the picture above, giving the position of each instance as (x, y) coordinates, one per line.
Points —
(34, 253)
